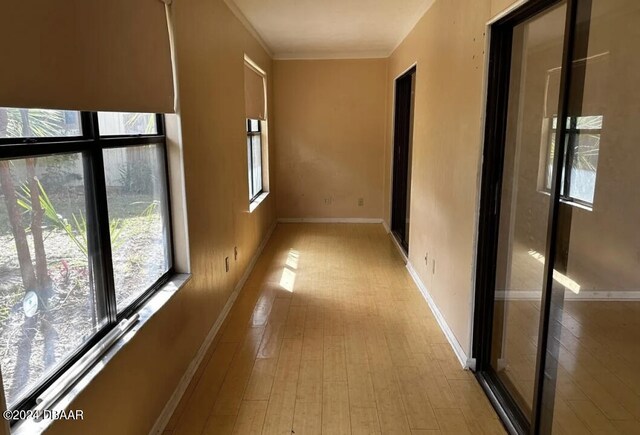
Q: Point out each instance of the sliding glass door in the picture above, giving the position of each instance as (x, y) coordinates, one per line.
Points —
(537, 48)
(557, 328)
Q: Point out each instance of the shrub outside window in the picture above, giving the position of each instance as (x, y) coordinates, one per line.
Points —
(84, 235)
(578, 181)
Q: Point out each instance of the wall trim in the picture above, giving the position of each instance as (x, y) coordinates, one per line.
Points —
(332, 55)
(171, 405)
(412, 24)
(453, 341)
(386, 227)
(332, 220)
(584, 295)
(506, 11)
(395, 241)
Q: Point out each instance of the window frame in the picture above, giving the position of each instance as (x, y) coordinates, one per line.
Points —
(250, 135)
(90, 144)
(573, 133)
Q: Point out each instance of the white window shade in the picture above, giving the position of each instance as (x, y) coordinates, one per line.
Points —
(110, 55)
(595, 93)
(254, 93)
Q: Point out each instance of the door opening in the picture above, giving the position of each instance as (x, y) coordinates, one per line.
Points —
(402, 138)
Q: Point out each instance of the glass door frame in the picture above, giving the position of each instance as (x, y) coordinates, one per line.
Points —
(575, 46)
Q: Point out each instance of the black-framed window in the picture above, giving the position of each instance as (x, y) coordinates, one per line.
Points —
(578, 181)
(85, 235)
(254, 157)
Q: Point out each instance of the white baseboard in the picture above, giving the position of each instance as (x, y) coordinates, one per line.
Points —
(332, 220)
(174, 400)
(584, 295)
(453, 341)
(386, 227)
(399, 248)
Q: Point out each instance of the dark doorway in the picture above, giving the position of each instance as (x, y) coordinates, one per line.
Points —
(402, 137)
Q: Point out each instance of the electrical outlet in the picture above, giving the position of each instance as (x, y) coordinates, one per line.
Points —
(235, 253)
(226, 264)
(360, 202)
(328, 201)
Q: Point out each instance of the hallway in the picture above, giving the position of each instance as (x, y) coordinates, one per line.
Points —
(330, 335)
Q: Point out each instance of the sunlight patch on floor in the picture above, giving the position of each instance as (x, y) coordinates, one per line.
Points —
(559, 277)
(288, 278)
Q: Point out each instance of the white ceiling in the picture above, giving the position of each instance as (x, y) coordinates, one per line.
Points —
(317, 29)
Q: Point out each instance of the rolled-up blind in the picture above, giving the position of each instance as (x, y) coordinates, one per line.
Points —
(595, 93)
(254, 93)
(86, 55)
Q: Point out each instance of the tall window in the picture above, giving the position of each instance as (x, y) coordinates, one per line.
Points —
(255, 94)
(578, 180)
(254, 155)
(84, 235)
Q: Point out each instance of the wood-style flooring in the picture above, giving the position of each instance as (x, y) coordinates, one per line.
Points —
(331, 336)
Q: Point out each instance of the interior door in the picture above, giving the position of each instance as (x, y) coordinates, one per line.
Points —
(403, 133)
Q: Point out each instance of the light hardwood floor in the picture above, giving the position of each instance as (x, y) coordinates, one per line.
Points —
(331, 336)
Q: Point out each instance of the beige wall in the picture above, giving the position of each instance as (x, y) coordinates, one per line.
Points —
(448, 45)
(498, 6)
(330, 123)
(130, 393)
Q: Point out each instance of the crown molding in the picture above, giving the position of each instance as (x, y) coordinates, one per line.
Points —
(247, 24)
(412, 24)
(332, 55)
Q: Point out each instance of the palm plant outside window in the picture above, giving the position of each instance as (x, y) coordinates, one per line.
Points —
(84, 235)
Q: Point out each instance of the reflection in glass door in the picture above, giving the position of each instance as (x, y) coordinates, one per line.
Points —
(593, 345)
(533, 99)
(557, 329)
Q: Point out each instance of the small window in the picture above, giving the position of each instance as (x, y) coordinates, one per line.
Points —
(254, 153)
(127, 123)
(37, 123)
(578, 180)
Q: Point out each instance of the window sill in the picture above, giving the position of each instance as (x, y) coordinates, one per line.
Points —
(256, 202)
(570, 203)
(146, 312)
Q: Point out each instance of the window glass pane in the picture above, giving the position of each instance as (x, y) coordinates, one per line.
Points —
(137, 202)
(39, 123)
(586, 149)
(125, 123)
(47, 305)
(254, 125)
(257, 165)
(584, 167)
(589, 122)
(250, 166)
